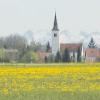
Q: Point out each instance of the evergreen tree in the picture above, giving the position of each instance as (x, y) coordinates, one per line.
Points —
(48, 47)
(73, 56)
(92, 44)
(66, 56)
(46, 59)
(79, 55)
(51, 58)
(58, 57)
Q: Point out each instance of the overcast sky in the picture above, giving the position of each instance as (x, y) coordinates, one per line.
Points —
(72, 15)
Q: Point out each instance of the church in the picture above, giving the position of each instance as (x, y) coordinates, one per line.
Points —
(57, 46)
(89, 54)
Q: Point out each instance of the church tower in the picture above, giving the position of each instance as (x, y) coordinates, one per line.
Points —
(55, 37)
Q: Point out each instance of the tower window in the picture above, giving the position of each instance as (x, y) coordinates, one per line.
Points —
(55, 35)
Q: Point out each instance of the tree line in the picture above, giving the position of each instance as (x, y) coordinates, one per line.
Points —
(15, 48)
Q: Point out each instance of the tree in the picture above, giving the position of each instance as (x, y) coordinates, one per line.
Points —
(73, 56)
(15, 42)
(48, 47)
(1, 42)
(79, 55)
(46, 59)
(36, 46)
(58, 57)
(66, 56)
(51, 58)
(29, 57)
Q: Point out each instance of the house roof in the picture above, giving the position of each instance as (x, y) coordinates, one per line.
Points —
(70, 46)
(92, 52)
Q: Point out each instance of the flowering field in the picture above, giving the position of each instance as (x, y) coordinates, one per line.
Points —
(50, 82)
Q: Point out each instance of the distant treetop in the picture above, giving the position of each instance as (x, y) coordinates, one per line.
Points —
(92, 44)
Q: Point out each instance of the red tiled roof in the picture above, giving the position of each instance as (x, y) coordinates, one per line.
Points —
(70, 46)
(92, 52)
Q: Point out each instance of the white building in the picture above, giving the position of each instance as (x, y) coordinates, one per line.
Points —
(55, 37)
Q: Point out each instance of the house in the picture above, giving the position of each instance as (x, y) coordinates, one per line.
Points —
(92, 52)
(72, 49)
(42, 55)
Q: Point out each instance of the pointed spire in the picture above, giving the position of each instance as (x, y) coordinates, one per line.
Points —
(55, 27)
(92, 44)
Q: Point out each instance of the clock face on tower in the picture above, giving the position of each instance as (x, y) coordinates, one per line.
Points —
(55, 35)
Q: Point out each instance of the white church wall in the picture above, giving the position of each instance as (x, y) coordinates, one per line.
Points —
(55, 42)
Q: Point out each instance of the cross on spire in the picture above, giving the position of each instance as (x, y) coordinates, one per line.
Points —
(55, 27)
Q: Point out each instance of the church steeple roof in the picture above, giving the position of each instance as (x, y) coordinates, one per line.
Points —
(55, 27)
(92, 44)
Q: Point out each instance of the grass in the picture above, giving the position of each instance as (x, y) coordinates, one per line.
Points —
(50, 81)
(54, 96)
